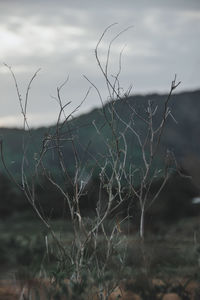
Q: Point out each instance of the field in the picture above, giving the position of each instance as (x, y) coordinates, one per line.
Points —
(167, 261)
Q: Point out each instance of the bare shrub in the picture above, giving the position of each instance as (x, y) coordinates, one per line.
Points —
(94, 257)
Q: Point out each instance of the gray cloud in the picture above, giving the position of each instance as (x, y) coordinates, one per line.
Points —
(60, 37)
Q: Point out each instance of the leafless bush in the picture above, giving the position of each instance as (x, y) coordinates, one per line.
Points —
(116, 176)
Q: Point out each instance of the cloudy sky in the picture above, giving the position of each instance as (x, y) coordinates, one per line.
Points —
(60, 36)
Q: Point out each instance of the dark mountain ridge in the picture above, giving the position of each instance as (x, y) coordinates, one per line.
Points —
(182, 133)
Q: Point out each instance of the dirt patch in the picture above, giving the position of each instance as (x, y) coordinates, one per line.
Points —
(41, 289)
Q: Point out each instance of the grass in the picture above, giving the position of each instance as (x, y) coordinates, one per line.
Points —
(171, 255)
(22, 245)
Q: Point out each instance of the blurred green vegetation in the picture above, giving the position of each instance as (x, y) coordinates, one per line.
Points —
(90, 133)
(170, 252)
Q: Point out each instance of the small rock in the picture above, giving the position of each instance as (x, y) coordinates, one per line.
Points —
(120, 294)
(171, 296)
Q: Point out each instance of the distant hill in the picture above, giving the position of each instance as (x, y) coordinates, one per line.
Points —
(182, 134)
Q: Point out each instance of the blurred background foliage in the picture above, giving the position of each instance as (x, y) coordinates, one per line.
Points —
(181, 136)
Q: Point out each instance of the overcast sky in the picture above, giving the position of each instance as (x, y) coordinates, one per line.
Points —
(60, 36)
